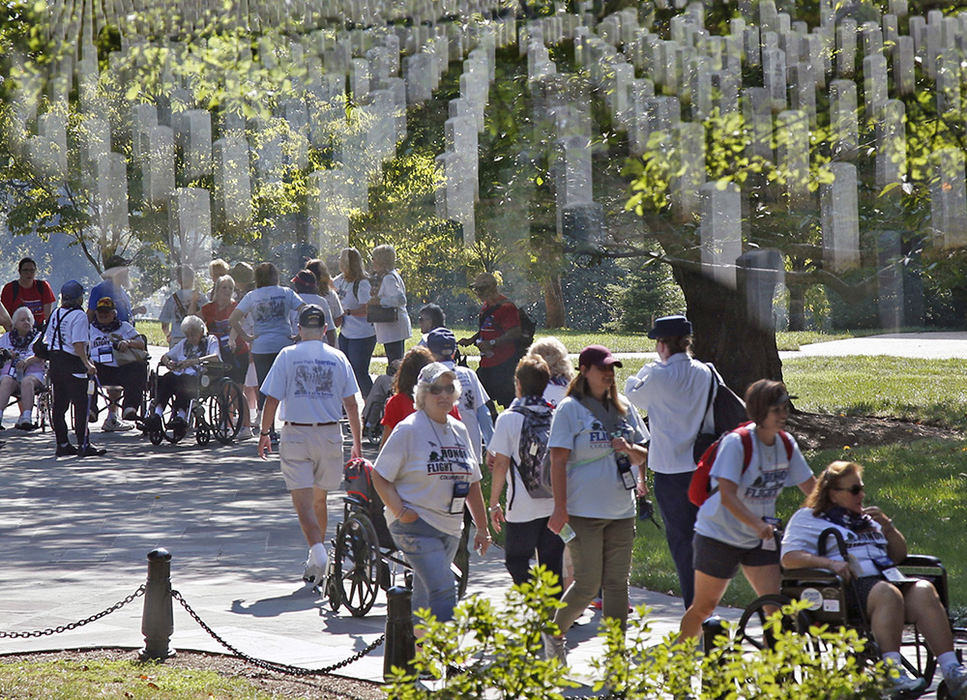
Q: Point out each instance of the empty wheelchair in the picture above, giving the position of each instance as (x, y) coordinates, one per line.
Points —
(364, 558)
(216, 407)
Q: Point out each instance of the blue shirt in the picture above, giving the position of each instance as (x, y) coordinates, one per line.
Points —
(269, 308)
(107, 288)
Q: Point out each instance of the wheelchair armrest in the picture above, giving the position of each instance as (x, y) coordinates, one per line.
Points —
(921, 560)
(811, 573)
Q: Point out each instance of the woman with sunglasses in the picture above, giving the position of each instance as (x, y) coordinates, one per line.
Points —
(425, 473)
(874, 545)
(735, 526)
(596, 441)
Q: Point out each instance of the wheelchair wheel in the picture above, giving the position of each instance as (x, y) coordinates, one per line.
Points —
(356, 566)
(203, 434)
(916, 655)
(226, 411)
(752, 625)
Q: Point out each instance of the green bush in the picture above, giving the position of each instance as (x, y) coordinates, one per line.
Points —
(495, 651)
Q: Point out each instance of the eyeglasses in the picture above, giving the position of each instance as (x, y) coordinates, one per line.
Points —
(854, 490)
(436, 389)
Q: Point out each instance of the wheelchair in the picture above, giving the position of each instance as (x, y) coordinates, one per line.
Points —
(364, 558)
(830, 599)
(217, 408)
(42, 397)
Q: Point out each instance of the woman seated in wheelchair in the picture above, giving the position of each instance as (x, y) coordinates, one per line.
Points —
(111, 340)
(735, 526)
(185, 361)
(873, 546)
(20, 369)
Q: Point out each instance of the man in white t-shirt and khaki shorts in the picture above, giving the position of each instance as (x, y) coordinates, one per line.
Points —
(313, 382)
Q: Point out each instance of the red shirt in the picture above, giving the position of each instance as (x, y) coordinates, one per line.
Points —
(399, 407)
(217, 322)
(494, 325)
(34, 298)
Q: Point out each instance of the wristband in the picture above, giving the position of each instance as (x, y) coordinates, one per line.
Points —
(494, 507)
(265, 433)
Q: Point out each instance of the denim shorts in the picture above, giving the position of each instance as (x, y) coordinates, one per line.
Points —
(720, 560)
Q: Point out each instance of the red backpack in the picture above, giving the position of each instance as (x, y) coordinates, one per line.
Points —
(700, 487)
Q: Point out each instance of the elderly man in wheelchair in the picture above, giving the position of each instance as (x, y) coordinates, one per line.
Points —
(119, 353)
(869, 548)
(185, 361)
(20, 370)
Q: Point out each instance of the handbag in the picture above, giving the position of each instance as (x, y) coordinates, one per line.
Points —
(382, 314)
(126, 357)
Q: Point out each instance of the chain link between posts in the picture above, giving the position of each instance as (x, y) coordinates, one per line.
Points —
(74, 625)
(271, 665)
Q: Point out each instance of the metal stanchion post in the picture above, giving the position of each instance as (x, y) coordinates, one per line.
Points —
(400, 645)
(712, 628)
(157, 620)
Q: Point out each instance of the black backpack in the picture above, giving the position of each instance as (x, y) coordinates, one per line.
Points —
(527, 327)
(533, 462)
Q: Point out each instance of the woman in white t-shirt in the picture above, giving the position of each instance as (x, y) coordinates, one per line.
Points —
(424, 474)
(390, 294)
(554, 354)
(357, 337)
(526, 516)
(326, 290)
(22, 370)
(735, 526)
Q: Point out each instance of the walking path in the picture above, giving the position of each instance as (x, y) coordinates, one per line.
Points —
(76, 533)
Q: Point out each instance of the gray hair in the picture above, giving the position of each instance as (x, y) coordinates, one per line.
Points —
(386, 255)
(193, 323)
(554, 354)
(19, 312)
(421, 390)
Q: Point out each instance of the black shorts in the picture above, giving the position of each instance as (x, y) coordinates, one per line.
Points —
(863, 586)
(720, 560)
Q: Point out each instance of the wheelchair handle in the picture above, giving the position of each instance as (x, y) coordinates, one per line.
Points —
(840, 542)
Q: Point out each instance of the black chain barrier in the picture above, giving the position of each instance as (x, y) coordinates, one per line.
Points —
(74, 625)
(272, 665)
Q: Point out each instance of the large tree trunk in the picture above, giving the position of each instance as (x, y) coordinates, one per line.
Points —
(797, 308)
(553, 302)
(725, 335)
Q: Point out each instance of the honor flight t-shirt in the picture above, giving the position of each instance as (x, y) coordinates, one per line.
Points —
(423, 459)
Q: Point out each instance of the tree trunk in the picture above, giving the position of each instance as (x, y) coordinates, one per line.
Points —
(553, 302)
(724, 333)
(797, 308)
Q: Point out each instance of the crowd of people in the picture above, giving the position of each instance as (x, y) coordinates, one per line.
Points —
(569, 454)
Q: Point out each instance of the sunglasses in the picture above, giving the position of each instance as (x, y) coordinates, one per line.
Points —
(854, 490)
(436, 389)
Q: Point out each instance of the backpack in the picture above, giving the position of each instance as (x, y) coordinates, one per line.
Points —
(533, 461)
(358, 481)
(699, 488)
(728, 413)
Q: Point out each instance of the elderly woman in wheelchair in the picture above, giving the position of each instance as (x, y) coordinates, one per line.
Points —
(19, 368)
(185, 362)
(871, 548)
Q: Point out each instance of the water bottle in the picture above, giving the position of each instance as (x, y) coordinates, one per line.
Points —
(90, 386)
(567, 533)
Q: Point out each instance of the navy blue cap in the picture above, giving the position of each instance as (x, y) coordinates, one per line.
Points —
(72, 290)
(670, 327)
(312, 317)
(441, 341)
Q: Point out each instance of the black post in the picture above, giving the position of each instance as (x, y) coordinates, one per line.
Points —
(712, 628)
(400, 645)
(157, 620)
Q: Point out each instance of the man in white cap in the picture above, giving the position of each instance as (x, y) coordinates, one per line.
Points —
(674, 391)
(314, 382)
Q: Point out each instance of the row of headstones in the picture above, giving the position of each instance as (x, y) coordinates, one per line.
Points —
(186, 138)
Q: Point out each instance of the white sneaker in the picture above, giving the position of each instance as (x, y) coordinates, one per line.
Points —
(315, 569)
(112, 424)
(957, 683)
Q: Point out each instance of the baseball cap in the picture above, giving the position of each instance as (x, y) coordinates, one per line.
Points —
(597, 356)
(441, 341)
(72, 290)
(115, 261)
(484, 280)
(105, 304)
(312, 317)
(432, 372)
(670, 327)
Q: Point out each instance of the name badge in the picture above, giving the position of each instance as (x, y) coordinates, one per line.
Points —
(889, 570)
(460, 491)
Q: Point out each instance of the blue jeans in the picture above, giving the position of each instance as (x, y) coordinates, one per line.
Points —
(430, 552)
(359, 351)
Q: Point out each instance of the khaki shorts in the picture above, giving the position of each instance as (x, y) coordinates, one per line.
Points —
(311, 456)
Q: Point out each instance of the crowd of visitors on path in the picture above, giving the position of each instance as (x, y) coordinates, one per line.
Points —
(569, 454)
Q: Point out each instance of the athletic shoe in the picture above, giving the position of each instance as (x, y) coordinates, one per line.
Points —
(179, 426)
(957, 683)
(112, 424)
(554, 648)
(130, 413)
(315, 571)
(595, 604)
(906, 686)
(67, 450)
(26, 426)
(91, 451)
